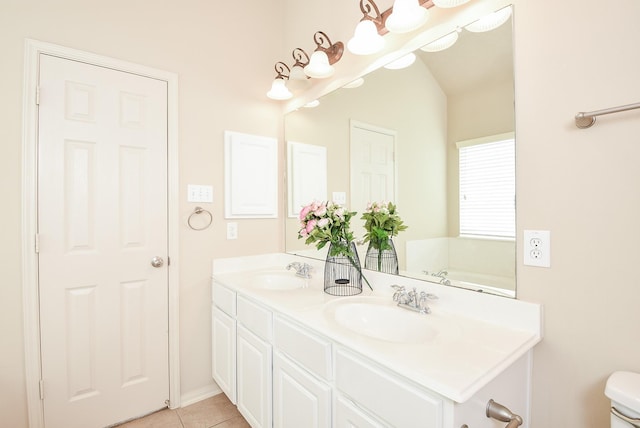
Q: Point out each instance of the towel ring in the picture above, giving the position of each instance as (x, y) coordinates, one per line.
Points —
(199, 210)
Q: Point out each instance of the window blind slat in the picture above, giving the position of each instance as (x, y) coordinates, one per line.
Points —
(487, 189)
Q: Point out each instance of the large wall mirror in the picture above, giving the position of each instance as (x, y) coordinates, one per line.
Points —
(424, 116)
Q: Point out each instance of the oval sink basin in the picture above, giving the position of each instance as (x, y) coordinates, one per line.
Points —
(278, 280)
(378, 319)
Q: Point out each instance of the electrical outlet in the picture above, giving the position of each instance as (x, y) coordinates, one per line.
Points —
(232, 230)
(537, 248)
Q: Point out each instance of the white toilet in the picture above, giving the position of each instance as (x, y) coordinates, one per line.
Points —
(623, 389)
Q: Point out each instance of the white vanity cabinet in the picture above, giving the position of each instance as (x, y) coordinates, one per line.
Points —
(383, 398)
(241, 354)
(223, 340)
(349, 415)
(286, 362)
(254, 363)
(301, 375)
(299, 398)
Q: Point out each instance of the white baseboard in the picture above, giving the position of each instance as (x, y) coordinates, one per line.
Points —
(199, 394)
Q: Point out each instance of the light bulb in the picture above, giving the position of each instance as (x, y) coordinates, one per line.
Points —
(406, 16)
(366, 40)
(444, 42)
(490, 22)
(449, 3)
(319, 66)
(279, 90)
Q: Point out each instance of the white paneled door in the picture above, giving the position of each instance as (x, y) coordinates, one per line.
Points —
(102, 227)
(372, 165)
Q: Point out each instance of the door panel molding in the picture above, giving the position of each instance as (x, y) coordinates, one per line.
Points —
(33, 373)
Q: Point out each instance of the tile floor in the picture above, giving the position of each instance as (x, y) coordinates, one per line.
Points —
(216, 411)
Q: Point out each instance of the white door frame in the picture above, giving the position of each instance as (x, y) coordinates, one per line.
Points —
(33, 49)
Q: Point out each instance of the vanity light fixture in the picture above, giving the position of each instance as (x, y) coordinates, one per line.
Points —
(449, 3)
(297, 79)
(444, 42)
(406, 16)
(322, 59)
(279, 90)
(491, 21)
(402, 62)
(367, 39)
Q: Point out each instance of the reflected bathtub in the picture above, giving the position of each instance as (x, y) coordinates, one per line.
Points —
(493, 284)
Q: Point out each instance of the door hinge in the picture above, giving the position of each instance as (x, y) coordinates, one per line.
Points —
(41, 386)
(37, 95)
(37, 243)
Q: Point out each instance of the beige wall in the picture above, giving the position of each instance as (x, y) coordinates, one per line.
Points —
(224, 72)
(581, 184)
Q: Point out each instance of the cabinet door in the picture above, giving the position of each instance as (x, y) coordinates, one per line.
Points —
(223, 352)
(299, 399)
(254, 378)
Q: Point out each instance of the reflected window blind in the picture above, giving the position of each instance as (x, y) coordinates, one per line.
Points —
(487, 189)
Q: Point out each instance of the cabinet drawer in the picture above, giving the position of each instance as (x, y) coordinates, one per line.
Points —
(224, 298)
(255, 318)
(394, 401)
(348, 415)
(305, 347)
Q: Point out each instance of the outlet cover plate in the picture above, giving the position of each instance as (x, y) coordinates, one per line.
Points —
(536, 248)
(232, 230)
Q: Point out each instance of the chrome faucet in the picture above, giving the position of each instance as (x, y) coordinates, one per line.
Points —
(412, 300)
(303, 270)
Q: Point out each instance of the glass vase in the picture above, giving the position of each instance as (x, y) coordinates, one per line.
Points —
(343, 273)
(382, 260)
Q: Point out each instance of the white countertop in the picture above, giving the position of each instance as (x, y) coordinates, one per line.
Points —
(479, 335)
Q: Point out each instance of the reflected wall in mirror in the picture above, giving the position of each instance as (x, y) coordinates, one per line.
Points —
(464, 93)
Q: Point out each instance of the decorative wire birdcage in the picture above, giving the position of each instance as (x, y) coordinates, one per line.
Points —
(382, 260)
(343, 273)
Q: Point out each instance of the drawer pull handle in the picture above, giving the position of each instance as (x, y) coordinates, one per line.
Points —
(501, 413)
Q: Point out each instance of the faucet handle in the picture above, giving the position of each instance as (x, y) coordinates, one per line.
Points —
(422, 302)
(397, 295)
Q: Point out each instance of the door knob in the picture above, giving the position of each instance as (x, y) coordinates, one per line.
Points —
(157, 262)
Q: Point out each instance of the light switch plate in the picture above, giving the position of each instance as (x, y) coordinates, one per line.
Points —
(199, 193)
(339, 198)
